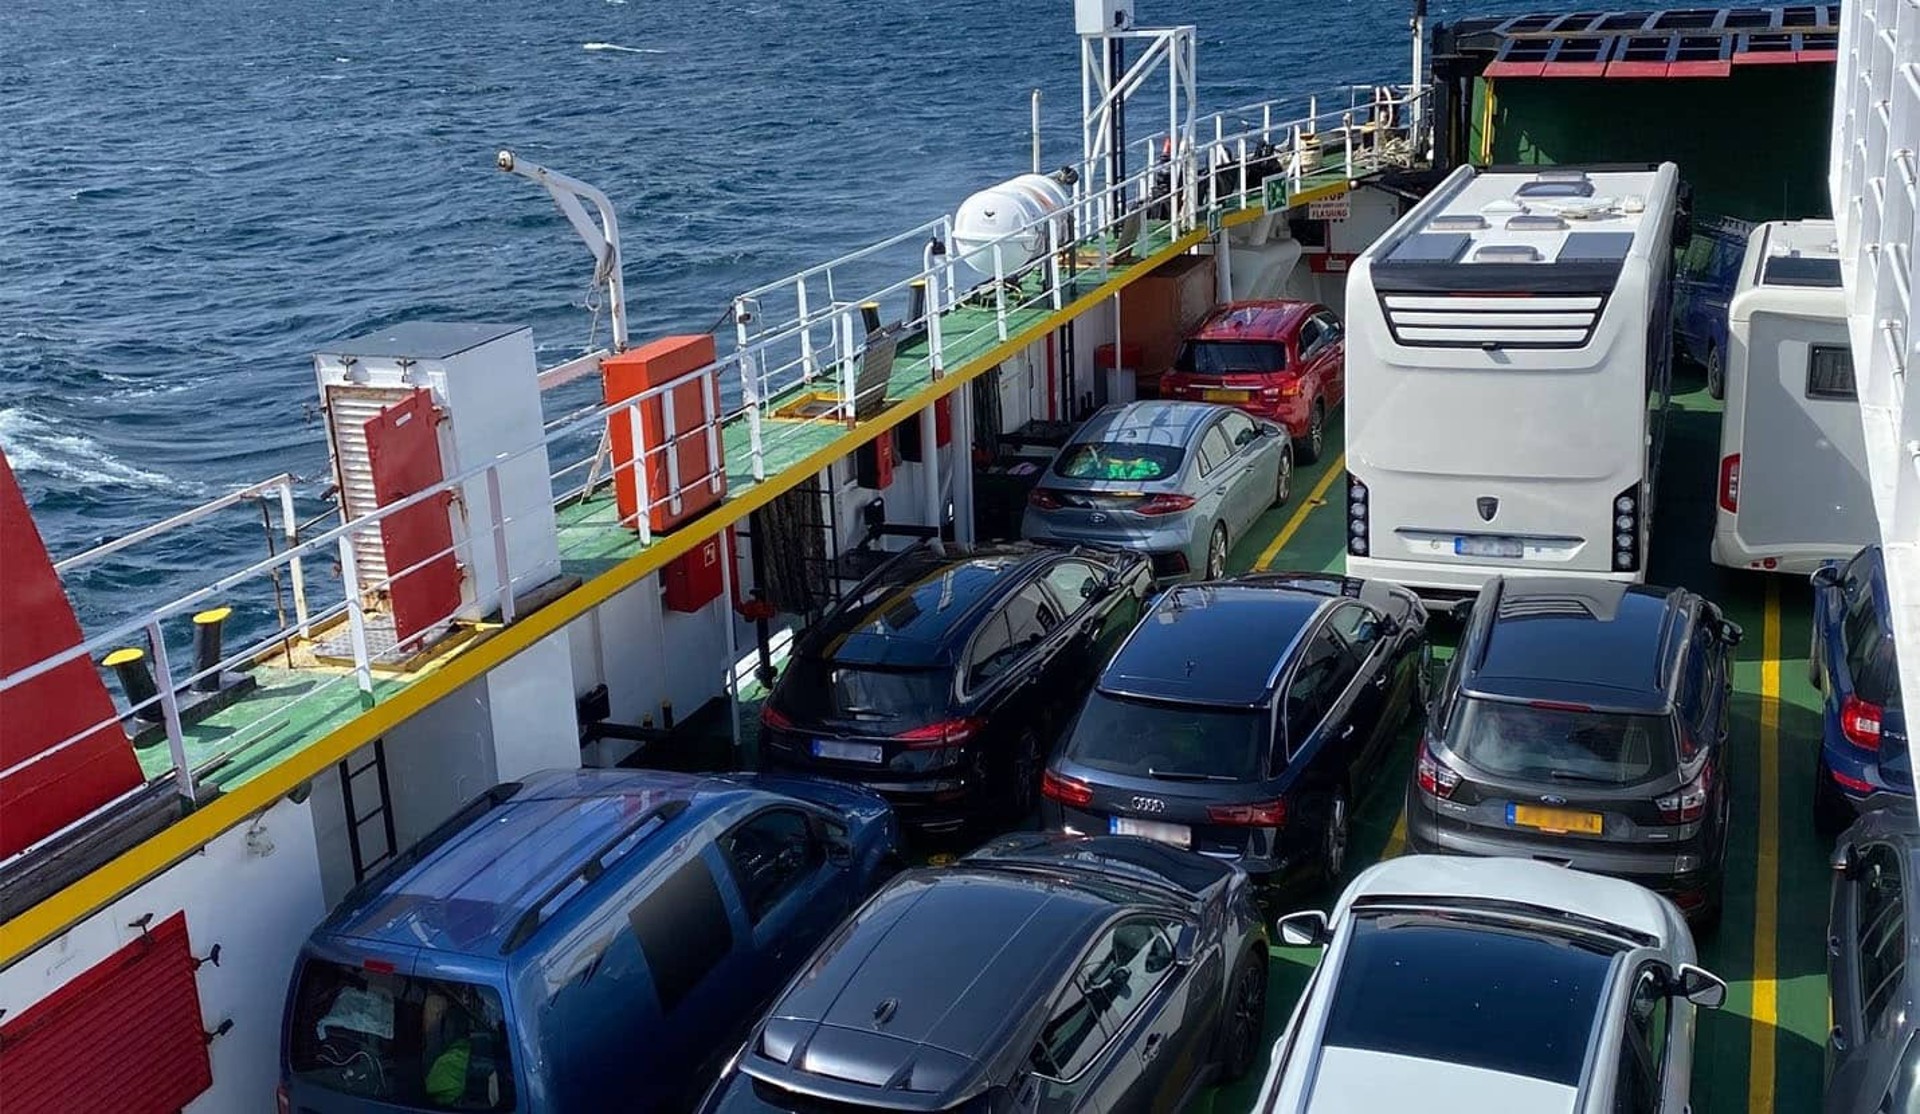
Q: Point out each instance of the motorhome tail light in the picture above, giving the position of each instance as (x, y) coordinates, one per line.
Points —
(1689, 802)
(1168, 503)
(1436, 778)
(1629, 512)
(945, 733)
(1040, 499)
(1860, 723)
(1357, 517)
(1068, 791)
(1260, 814)
(1730, 483)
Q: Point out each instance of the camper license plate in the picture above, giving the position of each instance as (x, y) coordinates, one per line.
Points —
(1177, 834)
(1559, 821)
(1509, 548)
(847, 752)
(1226, 396)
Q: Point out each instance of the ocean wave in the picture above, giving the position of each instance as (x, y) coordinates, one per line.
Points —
(616, 47)
(34, 444)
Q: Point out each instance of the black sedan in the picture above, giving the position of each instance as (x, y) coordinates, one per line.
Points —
(1244, 718)
(1039, 973)
(944, 678)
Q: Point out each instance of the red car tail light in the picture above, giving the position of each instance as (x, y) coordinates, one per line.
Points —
(1689, 802)
(1860, 723)
(1260, 814)
(1068, 791)
(945, 733)
(771, 717)
(1040, 499)
(1730, 483)
(1164, 504)
(1436, 778)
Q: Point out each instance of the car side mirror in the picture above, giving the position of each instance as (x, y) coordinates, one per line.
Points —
(1826, 576)
(1730, 632)
(1186, 945)
(1701, 987)
(1305, 929)
(1461, 611)
(1090, 588)
(1271, 429)
(1846, 861)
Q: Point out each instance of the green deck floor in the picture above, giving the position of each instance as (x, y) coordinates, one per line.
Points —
(287, 709)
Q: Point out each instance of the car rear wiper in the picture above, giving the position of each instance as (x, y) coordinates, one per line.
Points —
(1569, 775)
(1180, 775)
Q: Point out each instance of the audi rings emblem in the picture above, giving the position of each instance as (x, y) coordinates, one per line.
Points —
(1149, 804)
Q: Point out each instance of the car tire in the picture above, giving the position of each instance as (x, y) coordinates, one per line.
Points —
(1246, 1017)
(1336, 839)
(1314, 443)
(1716, 374)
(1831, 812)
(1283, 478)
(1216, 553)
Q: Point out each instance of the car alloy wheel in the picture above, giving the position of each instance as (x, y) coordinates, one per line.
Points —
(1716, 374)
(1217, 553)
(1316, 432)
(1333, 847)
(1247, 1016)
(1283, 483)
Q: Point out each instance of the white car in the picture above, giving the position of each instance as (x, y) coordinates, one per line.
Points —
(1497, 986)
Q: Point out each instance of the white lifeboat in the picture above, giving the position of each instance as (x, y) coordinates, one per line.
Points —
(1020, 205)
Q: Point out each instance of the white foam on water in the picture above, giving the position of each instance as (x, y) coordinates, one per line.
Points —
(34, 444)
(623, 49)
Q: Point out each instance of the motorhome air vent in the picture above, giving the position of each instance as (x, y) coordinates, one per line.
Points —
(1535, 222)
(1507, 253)
(1572, 183)
(1457, 222)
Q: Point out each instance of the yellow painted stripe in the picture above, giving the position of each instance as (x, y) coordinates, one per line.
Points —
(1397, 839)
(1766, 991)
(476, 658)
(1300, 513)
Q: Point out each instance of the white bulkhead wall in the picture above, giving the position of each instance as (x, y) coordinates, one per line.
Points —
(648, 655)
(255, 891)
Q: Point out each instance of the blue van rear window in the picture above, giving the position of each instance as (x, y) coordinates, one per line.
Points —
(424, 1044)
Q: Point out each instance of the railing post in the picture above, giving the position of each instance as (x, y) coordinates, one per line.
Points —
(1266, 123)
(497, 516)
(1053, 261)
(1346, 129)
(808, 369)
(750, 398)
(999, 292)
(670, 433)
(291, 529)
(849, 381)
(642, 498)
(710, 407)
(1240, 198)
(356, 623)
(170, 711)
(936, 366)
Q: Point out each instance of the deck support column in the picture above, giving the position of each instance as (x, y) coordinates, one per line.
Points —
(1222, 267)
(962, 464)
(930, 464)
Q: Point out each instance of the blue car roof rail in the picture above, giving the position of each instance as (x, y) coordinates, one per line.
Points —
(589, 872)
(459, 822)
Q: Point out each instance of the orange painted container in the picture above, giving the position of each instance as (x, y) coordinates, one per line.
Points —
(700, 470)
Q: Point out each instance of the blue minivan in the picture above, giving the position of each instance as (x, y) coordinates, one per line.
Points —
(1864, 762)
(582, 940)
(1702, 290)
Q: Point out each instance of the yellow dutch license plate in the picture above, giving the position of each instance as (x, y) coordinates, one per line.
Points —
(1557, 820)
(1225, 396)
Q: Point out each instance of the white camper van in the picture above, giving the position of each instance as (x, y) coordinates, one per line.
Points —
(1508, 362)
(1793, 487)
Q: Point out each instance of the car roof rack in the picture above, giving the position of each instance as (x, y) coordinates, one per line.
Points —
(587, 873)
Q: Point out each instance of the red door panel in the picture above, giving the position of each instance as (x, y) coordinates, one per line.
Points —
(403, 449)
(125, 1035)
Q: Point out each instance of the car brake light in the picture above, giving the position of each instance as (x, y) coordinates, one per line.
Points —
(1730, 483)
(1260, 814)
(1164, 504)
(1559, 706)
(1040, 499)
(1289, 388)
(1066, 790)
(282, 1100)
(1860, 723)
(770, 717)
(378, 966)
(1436, 778)
(1689, 802)
(946, 733)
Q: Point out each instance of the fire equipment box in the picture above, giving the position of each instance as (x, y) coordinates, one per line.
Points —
(689, 476)
(873, 462)
(693, 580)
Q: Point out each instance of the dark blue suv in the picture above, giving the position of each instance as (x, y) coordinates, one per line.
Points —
(1702, 288)
(1863, 748)
(582, 940)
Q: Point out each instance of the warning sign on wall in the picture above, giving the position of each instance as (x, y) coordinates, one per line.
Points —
(1333, 208)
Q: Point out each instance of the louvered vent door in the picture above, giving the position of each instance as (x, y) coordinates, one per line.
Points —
(349, 409)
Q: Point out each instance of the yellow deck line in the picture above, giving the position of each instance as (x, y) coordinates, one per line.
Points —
(1396, 839)
(1766, 991)
(1286, 533)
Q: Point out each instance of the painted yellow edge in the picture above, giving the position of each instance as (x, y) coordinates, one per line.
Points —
(1396, 839)
(1766, 989)
(135, 866)
(1300, 513)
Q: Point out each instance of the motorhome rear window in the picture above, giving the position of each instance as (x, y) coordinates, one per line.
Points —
(1830, 373)
(420, 1043)
(1118, 460)
(1801, 270)
(1231, 357)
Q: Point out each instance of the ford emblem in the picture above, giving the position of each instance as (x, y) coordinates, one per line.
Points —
(1550, 799)
(1096, 518)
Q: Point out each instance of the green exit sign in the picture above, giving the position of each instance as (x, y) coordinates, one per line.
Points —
(1273, 193)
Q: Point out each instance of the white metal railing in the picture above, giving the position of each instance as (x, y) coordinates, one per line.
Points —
(803, 329)
(1872, 184)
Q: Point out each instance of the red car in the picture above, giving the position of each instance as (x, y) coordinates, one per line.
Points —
(1281, 360)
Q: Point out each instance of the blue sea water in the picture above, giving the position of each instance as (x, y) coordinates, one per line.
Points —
(200, 193)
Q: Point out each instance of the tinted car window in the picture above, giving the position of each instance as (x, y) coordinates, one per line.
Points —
(1310, 334)
(1118, 460)
(769, 855)
(1869, 653)
(1324, 670)
(1124, 966)
(1648, 1014)
(1231, 357)
(819, 689)
(1530, 741)
(1479, 995)
(683, 930)
(1239, 429)
(1883, 933)
(1073, 582)
(1357, 626)
(393, 1039)
(1144, 738)
(1214, 448)
(1031, 616)
(991, 652)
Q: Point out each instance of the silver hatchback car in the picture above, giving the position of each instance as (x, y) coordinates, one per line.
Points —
(1179, 481)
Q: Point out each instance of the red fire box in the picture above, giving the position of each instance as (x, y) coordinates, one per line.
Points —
(873, 462)
(702, 474)
(693, 580)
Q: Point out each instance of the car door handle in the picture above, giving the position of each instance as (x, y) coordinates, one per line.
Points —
(1151, 1047)
(1346, 731)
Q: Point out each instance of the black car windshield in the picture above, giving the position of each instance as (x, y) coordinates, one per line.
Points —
(817, 689)
(1231, 357)
(1144, 738)
(1561, 743)
(1118, 460)
(1460, 991)
(426, 1044)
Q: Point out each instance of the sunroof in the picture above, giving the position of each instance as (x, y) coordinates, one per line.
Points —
(1431, 247)
(1801, 270)
(1565, 187)
(1595, 247)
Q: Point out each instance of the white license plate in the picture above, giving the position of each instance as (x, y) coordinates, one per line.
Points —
(848, 752)
(1177, 834)
(1509, 548)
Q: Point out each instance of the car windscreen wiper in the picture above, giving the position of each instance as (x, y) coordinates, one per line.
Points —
(1182, 775)
(1569, 775)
